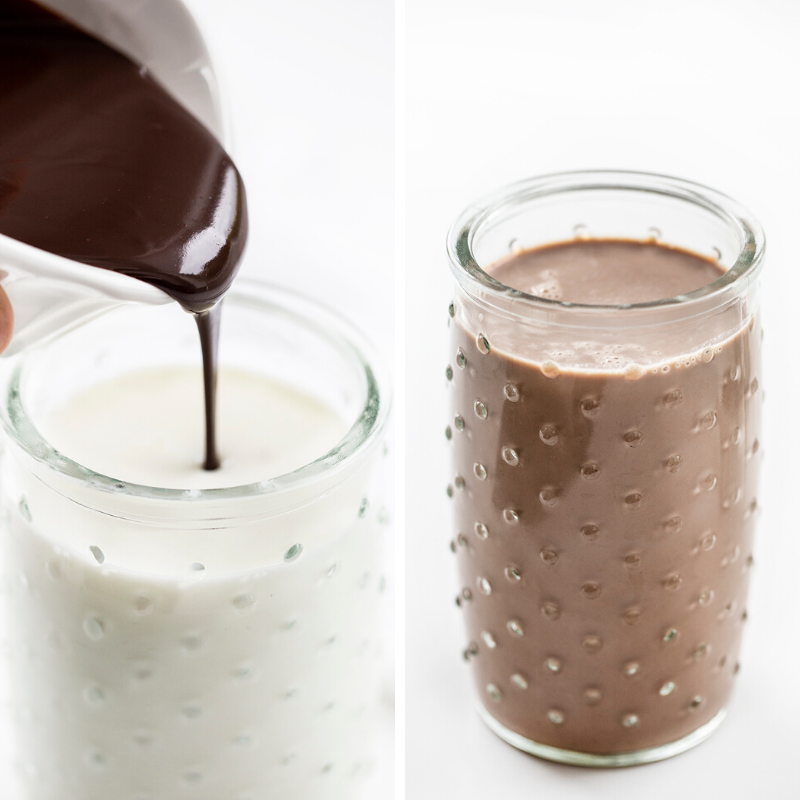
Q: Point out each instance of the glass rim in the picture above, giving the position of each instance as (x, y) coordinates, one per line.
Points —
(473, 278)
(361, 437)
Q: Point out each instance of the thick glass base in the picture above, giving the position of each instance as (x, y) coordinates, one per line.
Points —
(630, 759)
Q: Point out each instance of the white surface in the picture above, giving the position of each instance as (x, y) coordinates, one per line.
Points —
(506, 90)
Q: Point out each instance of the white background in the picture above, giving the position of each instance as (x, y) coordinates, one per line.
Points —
(309, 89)
(502, 90)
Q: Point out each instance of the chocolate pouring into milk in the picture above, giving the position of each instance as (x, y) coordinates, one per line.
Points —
(604, 517)
(100, 165)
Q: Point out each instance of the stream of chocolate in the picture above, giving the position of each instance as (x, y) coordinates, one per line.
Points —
(99, 164)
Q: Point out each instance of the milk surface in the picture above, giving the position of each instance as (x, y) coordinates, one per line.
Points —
(213, 656)
(146, 427)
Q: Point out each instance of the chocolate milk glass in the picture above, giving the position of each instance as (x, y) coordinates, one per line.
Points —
(605, 393)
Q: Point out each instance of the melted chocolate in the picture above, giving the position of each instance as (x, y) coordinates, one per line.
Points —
(99, 164)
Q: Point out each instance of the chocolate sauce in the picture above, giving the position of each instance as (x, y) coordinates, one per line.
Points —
(604, 518)
(99, 164)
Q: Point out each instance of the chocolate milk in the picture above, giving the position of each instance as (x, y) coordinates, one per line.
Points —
(99, 164)
(604, 518)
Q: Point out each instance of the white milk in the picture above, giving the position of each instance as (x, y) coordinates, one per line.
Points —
(167, 648)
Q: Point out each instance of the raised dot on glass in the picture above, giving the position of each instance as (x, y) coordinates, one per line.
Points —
(513, 574)
(708, 541)
(191, 643)
(548, 434)
(667, 688)
(481, 531)
(494, 692)
(673, 525)
(480, 409)
(244, 602)
(96, 760)
(592, 696)
(143, 737)
(293, 553)
(143, 606)
(99, 555)
(511, 392)
(197, 567)
(510, 516)
(701, 652)
(451, 310)
(670, 635)
(244, 672)
(192, 711)
(630, 720)
(706, 597)
(632, 438)
(459, 422)
(633, 500)
(708, 482)
(549, 555)
(488, 640)
(480, 472)
(590, 406)
(631, 616)
(590, 471)
(459, 483)
(483, 344)
(24, 511)
(514, 627)
(672, 581)
(510, 456)
(470, 651)
(466, 594)
(591, 590)
(630, 669)
(462, 540)
(555, 716)
(695, 703)
(592, 644)
(754, 386)
(709, 420)
(550, 369)
(142, 671)
(484, 586)
(519, 680)
(551, 611)
(633, 560)
(448, 433)
(548, 497)
(552, 664)
(590, 532)
(461, 359)
(448, 373)
(94, 696)
(94, 628)
(332, 569)
(673, 398)
(674, 463)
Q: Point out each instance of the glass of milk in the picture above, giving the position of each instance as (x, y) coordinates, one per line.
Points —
(174, 633)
